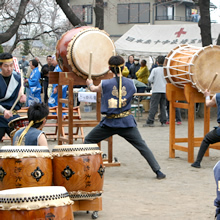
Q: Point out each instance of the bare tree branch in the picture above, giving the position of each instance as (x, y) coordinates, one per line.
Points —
(4, 37)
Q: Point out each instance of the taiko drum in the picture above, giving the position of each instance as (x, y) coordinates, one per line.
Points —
(194, 65)
(74, 48)
(79, 168)
(25, 166)
(48, 202)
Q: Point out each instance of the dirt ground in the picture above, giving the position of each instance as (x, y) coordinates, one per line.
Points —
(131, 191)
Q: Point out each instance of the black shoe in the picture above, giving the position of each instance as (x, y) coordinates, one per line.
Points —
(196, 164)
(160, 175)
(148, 125)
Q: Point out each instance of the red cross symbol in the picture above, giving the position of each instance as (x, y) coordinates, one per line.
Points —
(178, 34)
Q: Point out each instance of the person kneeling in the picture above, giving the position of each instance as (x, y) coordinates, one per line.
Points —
(32, 134)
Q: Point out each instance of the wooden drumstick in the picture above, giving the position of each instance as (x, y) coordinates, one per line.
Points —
(90, 66)
(214, 78)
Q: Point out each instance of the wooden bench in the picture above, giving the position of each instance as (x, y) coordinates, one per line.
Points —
(52, 121)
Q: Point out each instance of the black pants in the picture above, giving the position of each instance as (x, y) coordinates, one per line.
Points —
(132, 135)
(45, 91)
(210, 138)
(3, 131)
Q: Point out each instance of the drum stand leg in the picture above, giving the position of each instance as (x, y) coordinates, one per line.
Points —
(94, 205)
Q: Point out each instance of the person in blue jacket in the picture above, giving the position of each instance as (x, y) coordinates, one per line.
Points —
(34, 83)
(53, 100)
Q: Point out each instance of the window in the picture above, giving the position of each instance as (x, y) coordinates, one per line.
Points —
(83, 12)
(164, 12)
(134, 13)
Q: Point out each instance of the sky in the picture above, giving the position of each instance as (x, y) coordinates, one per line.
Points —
(215, 14)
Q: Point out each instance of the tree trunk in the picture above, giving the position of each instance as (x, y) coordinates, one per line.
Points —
(74, 20)
(4, 37)
(205, 23)
(99, 14)
(218, 40)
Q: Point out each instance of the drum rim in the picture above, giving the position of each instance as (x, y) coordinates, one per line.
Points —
(16, 119)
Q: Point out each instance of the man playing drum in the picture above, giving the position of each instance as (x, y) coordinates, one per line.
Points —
(10, 87)
(117, 94)
(33, 134)
(214, 135)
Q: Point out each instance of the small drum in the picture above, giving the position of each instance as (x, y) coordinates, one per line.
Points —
(25, 166)
(195, 65)
(74, 48)
(80, 169)
(48, 203)
(18, 123)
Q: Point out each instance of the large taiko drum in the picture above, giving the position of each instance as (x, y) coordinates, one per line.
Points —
(48, 202)
(25, 166)
(194, 65)
(79, 168)
(74, 48)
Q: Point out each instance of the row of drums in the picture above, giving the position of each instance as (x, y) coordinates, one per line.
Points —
(37, 184)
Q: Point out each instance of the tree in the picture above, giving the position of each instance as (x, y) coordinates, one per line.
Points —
(26, 47)
(99, 13)
(39, 18)
(1, 49)
(74, 20)
(204, 22)
(11, 31)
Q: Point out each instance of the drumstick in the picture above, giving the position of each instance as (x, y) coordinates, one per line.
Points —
(90, 66)
(216, 74)
(21, 92)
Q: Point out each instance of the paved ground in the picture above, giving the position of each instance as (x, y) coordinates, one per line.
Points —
(131, 191)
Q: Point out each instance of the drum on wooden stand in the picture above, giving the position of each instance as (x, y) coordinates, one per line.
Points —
(74, 48)
(48, 202)
(194, 65)
(79, 168)
(25, 166)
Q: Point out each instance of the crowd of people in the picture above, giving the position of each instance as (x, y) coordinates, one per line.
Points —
(151, 80)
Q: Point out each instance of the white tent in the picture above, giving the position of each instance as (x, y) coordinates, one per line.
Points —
(154, 40)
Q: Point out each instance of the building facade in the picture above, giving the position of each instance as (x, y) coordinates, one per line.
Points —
(121, 15)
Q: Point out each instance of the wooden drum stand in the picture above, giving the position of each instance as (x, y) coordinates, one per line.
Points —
(191, 96)
(71, 79)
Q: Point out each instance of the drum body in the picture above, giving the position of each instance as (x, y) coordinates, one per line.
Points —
(74, 48)
(36, 203)
(79, 168)
(22, 166)
(194, 65)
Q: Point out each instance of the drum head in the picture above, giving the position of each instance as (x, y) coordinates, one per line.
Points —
(87, 41)
(206, 64)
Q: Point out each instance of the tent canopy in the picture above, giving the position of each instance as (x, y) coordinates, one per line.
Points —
(154, 40)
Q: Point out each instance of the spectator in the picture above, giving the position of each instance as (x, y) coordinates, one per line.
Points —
(125, 71)
(158, 94)
(53, 100)
(178, 114)
(34, 83)
(130, 61)
(23, 65)
(45, 75)
(134, 68)
(143, 73)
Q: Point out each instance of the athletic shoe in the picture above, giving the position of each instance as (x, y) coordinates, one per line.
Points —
(148, 125)
(179, 123)
(160, 175)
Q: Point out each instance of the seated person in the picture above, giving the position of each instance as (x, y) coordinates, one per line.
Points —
(125, 71)
(32, 134)
(143, 73)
